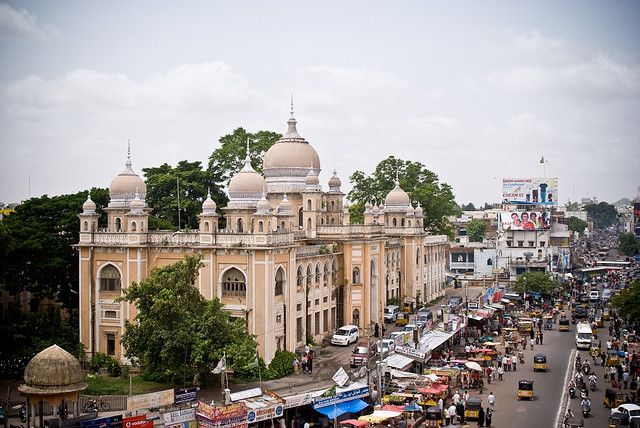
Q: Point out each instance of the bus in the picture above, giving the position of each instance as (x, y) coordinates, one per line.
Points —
(613, 263)
(583, 335)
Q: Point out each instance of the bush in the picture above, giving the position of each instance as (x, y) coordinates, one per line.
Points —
(104, 361)
(281, 365)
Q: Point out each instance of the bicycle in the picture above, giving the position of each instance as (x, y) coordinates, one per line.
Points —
(95, 405)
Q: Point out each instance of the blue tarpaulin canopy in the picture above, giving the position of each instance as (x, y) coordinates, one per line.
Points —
(333, 411)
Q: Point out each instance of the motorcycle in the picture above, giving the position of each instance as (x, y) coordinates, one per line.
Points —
(586, 409)
(592, 385)
(584, 394)
(572, 392)
(22, 411)
(578, 366)
(586, 368)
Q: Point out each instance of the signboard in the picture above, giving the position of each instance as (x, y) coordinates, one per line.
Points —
(413, 353)
(139, 421)
(341, 397)
(298, 400)
(179, 416)
(271, 412)
(188, 424)
(185, 395)
(525, 220)
(147, 401)
(534, 191)
(232, 416)
(340, 377)
(108, 422)
(636, 218)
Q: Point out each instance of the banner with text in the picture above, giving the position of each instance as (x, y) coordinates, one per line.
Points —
(232, 416)
(147, 401)
(534, 191)
(525, 220)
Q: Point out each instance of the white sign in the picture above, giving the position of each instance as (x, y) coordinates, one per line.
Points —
(412, 353)
(147, 401)
(179, 416)
(341, 377)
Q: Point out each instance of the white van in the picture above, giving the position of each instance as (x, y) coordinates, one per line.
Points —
(391, 313)
(594, 296)
(583, 335)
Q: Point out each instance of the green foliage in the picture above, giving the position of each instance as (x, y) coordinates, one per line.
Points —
(162, 194)
(577, 225)
(627, 301)
(394, 301)
(476, 230)
(105, 385)
(227, 159)
(178, 333)
(468, 207)
(37, 252)
(104, 361)
(281, 365)
(603, 214)
(572, 206)
(421, 184)
(628, 244)
(535, 281)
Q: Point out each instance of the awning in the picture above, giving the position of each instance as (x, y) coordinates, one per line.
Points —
(489, 308)
(398, 361)
(333, 411)
(379, 416)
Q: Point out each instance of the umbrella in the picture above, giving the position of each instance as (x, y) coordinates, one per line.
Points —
(355, 423)
(473, 366)
(379, 416)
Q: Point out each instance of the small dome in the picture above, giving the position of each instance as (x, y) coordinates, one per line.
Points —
(137, 205)
(334, 182)
(410, 210)
(263, 207)
(285, 207)
(123, 187)
(209, 205)
(397, 198)
(367, 207)
(53, 371)
(375, 210)
(419, 212)
(312, 179)
(246, 183)
(89, 207)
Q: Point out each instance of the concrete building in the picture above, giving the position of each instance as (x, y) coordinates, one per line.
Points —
(288, 261)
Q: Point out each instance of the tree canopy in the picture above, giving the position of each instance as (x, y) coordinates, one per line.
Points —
(577, 225)
(468, 207)
(177, 332)
(572, 206)
(627, 301)
(540, 282)
(603, 214)
(227, 159)
(476, 230)
(628, 244)
(38, 239)
(422, 185)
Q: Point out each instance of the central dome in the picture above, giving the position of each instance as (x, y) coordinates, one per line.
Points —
(124, 186)
(288, 162)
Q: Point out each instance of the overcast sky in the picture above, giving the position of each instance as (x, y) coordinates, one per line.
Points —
(476, 91)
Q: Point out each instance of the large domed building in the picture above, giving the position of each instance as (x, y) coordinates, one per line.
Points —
(288, 260)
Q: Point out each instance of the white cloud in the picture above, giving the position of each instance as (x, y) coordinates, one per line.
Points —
(535, 42)
(21, 23)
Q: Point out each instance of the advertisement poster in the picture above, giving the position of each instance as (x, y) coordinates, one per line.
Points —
(147, 401)
(636, 218)
(530, 191)
(232, 416)
(185, 395)
(179, 416)
(525, 220)
(108, 422)
(139, 421)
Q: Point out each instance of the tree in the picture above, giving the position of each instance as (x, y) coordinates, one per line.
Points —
(627, 302)
(572, 206)
(628, 244)
(227, 159)
(476, 230)
(577, 225)
(38, 254)
(421, 184)
(539, 282)
(177, 332)
(603, 214)
(162, 194)
(468, 207)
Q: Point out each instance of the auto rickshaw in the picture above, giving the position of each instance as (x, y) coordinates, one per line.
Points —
(563, 324)
(613, 398)
(540, 362)
(548, 322)
(613, 360)
(606, 314)
(433, 417)
(472, 408)
(525, 389)
(594, 349)
(525, 326)
(402, 319)
(559, 303)
(598, 320)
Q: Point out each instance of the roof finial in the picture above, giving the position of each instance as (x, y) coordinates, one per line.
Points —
(397, 178)
(291, 103)
(128, 163)
(208, 192)
(247, 157)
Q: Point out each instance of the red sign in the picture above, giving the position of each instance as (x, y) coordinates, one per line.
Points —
(139, 421)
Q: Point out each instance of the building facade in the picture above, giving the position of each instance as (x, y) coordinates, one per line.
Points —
(288, 261)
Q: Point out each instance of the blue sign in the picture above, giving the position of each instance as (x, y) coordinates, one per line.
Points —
(108, 422)
(341, 397)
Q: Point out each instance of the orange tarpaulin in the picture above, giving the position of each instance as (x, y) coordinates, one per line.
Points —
(434, 388)
(355, 423)
(393, 408)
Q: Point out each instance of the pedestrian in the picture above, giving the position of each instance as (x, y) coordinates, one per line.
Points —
(305, 363)
(465, 396)
(447, 417)
(603, 358)
(296, 365)
(460, 412)
(376, 333)
(531, 343)
(504, 363)
(541, 337)
(625, 379)
(441, 403)
(537, 338)
(452, 412)
(508, 363)
(491, 399)
(500, 373)
(294, 422)
(481, 416)
(488, 415)
(514, 362)
(310, 362)
(456, 398)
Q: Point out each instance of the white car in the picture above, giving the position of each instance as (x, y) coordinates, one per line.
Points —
(632, 411)
(345, 335)
(388, 346)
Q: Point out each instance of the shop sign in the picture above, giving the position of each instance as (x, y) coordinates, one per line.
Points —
(179, 416)
(341, 397)
(148, 401)
(232, 416)
(139, 421)
(185, 395)
(108, 422)
(412, 353)
(298, 400)
(188, 424)
(270, 412)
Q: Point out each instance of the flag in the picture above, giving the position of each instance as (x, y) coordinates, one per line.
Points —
(222, 365)
(542, 159)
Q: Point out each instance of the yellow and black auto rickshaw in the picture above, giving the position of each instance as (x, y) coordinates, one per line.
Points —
(606, 314)
(525, 389)
(525, 325)
(472, 408)
(540, 362)
(613, 360)
(594, 348)
(563, 324)
(614, 397)
(434, 417)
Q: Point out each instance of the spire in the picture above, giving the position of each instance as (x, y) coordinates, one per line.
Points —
(247, 161)
(291, 104)
(209, 192)
(397, 178)
(292, 132)
(127, 165)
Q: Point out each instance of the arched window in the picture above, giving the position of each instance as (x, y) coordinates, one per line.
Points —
(318, 273)
(110, 279)
(394, 222)
(418, 256)
(118, 224)
(206, 226)
(142, 226)
(239, 227)
(308, 204)
(489, 262)
(85, 226)
(332, 221)
(279, 282)
(409, 223)
(260, 226)
(322, 221)
(300, 276)
(326, 273)
(402, 222)
(374, 273)
(282, 225)
(233, 283)
(333, 205)
(356, 317)
(300, 220)
(133, 226)
(308, 224)
(334, 271)
(356, 275)
(309, 275)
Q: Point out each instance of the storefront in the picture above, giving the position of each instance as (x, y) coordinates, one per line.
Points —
(346, 401)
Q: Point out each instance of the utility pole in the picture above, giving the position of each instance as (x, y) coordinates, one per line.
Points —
(178, 193)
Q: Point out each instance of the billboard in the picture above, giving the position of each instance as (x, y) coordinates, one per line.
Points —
(525, 220)
(530, 191)
(636, 218)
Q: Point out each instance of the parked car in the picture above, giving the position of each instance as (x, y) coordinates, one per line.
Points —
(391, 313)
(363, 353)
(594, 296)
(387, 346)
(631, 411)
(345, 335)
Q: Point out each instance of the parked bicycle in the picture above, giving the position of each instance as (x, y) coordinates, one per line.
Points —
(96, 405)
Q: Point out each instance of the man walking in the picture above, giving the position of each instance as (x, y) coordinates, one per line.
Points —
(491, 399)
(500, 373)
(514, 361)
